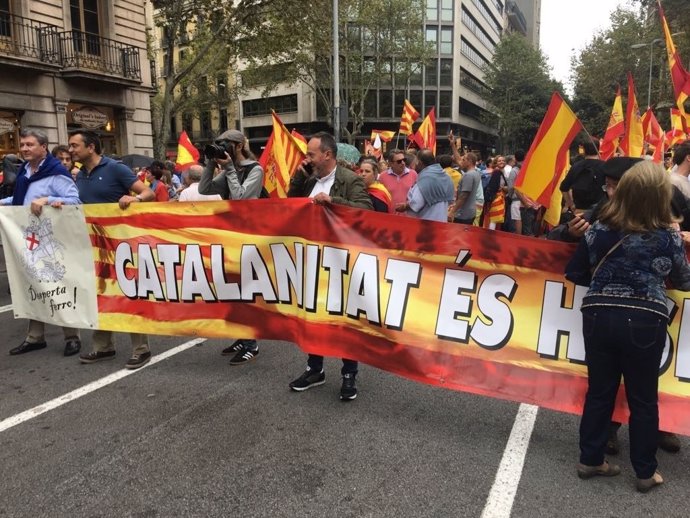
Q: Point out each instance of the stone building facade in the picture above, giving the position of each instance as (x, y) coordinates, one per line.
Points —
(76, 64)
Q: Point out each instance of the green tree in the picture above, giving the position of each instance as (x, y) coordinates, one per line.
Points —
(210, 33)
(381, 41)
(520, 89)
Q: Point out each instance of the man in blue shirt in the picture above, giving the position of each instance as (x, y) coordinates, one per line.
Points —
(42, 180)
(104, 180)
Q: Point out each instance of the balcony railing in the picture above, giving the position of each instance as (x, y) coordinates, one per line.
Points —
(25, 38)
(86, 51)
(39, 43)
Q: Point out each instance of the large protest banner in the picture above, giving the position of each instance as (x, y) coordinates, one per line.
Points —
(455, 306)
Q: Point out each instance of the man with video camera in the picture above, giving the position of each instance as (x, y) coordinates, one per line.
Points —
(241, 178)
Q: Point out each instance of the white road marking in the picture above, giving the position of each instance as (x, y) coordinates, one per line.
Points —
(5, 309)
(502, 494)
(22, 417)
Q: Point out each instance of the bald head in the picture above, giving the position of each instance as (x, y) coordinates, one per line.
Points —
(194, 173)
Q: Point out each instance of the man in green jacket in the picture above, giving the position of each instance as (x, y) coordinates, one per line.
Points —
(324, 181)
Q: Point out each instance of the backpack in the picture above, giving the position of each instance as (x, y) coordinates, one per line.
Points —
(243, 172)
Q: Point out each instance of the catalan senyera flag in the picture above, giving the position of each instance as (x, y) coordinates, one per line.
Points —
(409, 115)
(633, 140)
(300, 140)
(187, 153)
(615, 129)
(384, 135)
(653, 135)
(677, 133)
(425, 137)
(497, 210)
(679, 76)
(553, 212)
(547, 156)
(283, 153)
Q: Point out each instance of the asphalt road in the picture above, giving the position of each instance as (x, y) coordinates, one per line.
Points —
(192, 436)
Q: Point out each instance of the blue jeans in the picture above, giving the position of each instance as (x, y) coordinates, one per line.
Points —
(628, 342)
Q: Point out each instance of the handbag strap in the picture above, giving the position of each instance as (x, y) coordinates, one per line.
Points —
(611, 250)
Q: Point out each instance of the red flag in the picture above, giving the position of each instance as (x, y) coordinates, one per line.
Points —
(409, 115)
(653, 135)
(426, 134)
(679, 76)
(187, 154)
(546, 158)
(614, 130)
(633, 140)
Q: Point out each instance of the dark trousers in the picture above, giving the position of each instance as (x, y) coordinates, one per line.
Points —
(628, 342)
(315, 363)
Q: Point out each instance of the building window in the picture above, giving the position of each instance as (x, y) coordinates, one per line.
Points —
(173, 127)
(85, 26)
(471, 82)
(445, 104)
(280, 103)
(447, 40)
(447, 10)
(222, 120)
(472, 55)
(386, 104)
(5, 19)
(474, 27)
(416, 99)
(187, 122)
(432, 10)
(446, 73)
(431, 74)
(430, 100)
(432, 36)
(205, 123)
(415, 74)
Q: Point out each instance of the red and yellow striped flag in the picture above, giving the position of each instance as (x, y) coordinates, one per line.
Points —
(546, 158)
(187, 154)
(555, 208)
(679, 76)
(426, 134)
(282, 155)
(615, 129)
(633, 140)
(409, 115)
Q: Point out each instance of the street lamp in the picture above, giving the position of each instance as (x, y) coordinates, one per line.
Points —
(651, 45)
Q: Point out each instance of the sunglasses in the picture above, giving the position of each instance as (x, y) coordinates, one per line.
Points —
(401, 161)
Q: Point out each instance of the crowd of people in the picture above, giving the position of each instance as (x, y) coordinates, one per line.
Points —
(629, 216)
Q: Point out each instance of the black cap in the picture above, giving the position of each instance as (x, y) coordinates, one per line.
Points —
(616, 166)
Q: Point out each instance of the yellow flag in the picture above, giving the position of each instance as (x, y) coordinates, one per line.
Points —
(553, 213)
(633, 140)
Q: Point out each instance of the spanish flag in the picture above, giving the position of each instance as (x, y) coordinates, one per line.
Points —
(385, 135)
(615, 130)
(547, 156)
(633, 141)
(426, 134)
(677, 133)
(282, 155)
(555, 208)
(187, 154)
(653, 135)
(409, 115)
(679, 76)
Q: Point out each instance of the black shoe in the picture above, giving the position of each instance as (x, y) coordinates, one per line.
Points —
(308, 380)
(234, 348)
(138, 360)
(348, 390)
(72, 346)
(26, 347)
(97, 356)
(669, 442)
(244, 355)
